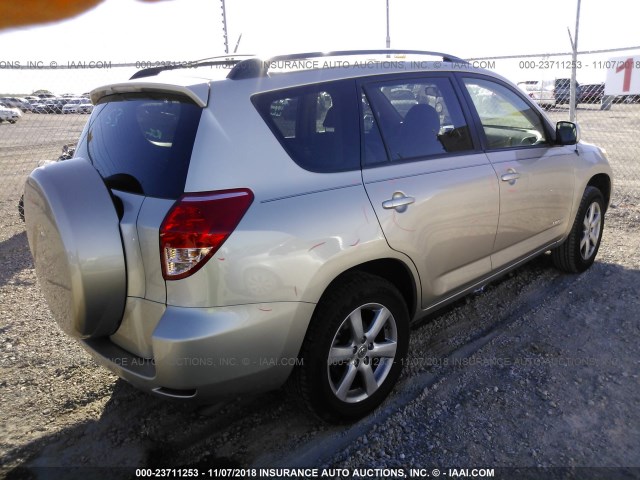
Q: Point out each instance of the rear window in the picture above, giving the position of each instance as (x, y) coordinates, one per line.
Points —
(142, 143)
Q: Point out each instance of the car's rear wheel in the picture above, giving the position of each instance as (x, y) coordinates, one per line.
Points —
(354, 349)
(579, 250)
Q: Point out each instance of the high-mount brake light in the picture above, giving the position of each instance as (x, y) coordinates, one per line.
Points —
(196, 227)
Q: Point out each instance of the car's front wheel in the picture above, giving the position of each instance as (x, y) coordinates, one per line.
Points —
(579, 250)
(354, 349)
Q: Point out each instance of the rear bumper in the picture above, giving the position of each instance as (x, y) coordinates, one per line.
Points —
(203, 354)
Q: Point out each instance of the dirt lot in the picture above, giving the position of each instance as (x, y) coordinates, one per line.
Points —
(536, 377)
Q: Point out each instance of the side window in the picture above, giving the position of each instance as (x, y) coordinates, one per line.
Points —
(417, 118)
(317, 125)
(508, 121)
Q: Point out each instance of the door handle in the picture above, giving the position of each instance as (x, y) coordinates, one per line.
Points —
(511, 176)
(399, 201)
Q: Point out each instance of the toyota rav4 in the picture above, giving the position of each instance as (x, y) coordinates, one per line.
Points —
(243, 223)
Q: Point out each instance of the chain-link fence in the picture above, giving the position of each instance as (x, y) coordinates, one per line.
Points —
(607, 102)
(607, 118)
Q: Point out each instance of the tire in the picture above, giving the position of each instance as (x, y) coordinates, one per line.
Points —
(579, 250)
(350, 362)
(73, 231)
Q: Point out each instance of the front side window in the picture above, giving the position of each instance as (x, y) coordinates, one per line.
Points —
(507, 120)
(417, 118)
(317, 125)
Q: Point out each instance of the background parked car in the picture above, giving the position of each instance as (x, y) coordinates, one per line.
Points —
(77, 105)
(541, 91)
(562, 90)
(50, 105)
(38, 106)
(86, 107)
(592, 93)
(15, 102)
(11, 115)
(29, 103)
(551, 92)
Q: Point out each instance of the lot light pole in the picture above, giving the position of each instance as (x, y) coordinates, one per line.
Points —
(573, 98)
(224, 28)
(388, 37)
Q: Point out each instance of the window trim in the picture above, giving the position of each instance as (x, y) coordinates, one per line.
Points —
(363, 149)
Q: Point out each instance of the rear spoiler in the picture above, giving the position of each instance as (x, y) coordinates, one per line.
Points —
(199, 92)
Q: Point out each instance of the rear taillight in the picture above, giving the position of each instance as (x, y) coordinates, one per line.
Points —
(196, 227)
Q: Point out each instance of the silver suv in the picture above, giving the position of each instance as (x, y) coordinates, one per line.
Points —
(227, 228)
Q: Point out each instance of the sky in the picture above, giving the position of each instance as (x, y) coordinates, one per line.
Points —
(130, 31)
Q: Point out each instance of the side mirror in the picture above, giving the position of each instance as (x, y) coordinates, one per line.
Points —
(567, 133)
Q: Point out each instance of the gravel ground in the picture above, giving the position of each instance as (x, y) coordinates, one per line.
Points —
(539, 373)
(539, 370)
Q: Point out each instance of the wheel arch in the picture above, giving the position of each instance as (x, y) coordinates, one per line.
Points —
(602, 182)
(392, 270)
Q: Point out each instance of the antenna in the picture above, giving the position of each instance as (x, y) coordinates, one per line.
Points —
(237, 44)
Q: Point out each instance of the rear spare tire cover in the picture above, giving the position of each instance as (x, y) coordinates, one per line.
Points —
(74, 236)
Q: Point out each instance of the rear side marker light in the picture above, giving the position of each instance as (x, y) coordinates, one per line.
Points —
(196, 227)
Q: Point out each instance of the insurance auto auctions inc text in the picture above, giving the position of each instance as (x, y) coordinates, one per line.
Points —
(352, 473)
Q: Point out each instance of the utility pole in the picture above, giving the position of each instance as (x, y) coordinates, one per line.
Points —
(388, 37)
(224, 28)
(573, 100)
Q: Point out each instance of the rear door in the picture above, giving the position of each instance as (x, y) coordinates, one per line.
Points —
(434, 192)
(536, 176)
(141, 145)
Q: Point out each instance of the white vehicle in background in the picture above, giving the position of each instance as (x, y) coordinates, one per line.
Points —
(77, 105)
(540, 91)
(11, 115)
(86, 106)
(15, 102)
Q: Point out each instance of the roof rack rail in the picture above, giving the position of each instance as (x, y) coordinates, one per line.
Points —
(256, 67)
(222, 60)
